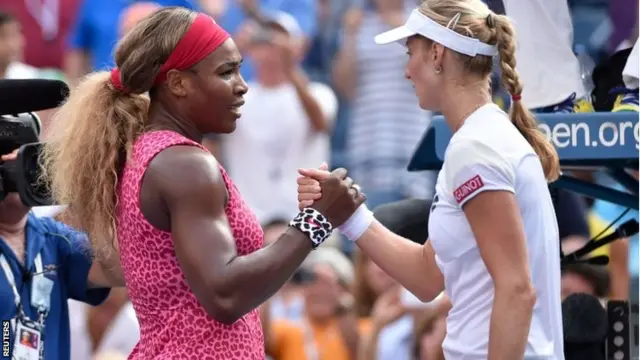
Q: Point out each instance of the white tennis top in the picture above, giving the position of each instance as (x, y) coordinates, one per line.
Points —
(489, 153)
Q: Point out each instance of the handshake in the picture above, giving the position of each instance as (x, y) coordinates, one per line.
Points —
(332, 194)
(328, 200)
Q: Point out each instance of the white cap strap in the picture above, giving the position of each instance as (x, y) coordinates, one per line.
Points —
(419, 24)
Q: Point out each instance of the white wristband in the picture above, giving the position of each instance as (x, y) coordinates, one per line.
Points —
(357, 224)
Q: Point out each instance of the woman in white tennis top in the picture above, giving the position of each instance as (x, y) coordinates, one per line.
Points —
(493, 244)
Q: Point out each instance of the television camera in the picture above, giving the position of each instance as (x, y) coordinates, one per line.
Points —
(20, 128)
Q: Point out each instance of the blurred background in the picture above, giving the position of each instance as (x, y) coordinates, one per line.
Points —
(365, 117)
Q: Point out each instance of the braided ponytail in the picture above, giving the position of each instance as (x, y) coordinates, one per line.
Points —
(521, 117)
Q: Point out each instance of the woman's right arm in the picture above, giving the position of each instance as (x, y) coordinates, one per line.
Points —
(226, 284)
(412, 265)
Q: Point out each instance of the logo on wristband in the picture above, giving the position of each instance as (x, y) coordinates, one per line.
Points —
(313, 223)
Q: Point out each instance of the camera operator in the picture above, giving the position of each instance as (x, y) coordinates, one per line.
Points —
(43, 263)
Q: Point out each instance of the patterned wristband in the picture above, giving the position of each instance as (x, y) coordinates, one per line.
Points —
(311, 222)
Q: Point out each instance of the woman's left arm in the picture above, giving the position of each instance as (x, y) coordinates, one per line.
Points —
(496, 224)
(482, 182)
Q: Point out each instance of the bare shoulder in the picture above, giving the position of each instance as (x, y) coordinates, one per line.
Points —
(181, 172)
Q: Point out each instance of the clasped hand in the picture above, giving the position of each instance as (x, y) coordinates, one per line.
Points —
(331, 193)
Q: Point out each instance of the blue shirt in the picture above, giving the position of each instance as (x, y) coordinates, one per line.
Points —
(304, 11)
(66, 260)
(97, 25)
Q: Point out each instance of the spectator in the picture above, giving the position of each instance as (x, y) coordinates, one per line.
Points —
(285, 123)
(618, 253)
(273, 229)
(394, 311)
(330, 331)
(609, 212)
(11, 48)
(544, 27)
(58, 265)
(628, 98)
(323, 46)
(215, 8)
(11, 52)
(134, 14)
(110, 356)
(616, 90)
(377, 297)
(583, 278)
(430, 331)
(370, 283)
(571, 214)
(122, 331)
(287, 303)
(95, 33)
(47, 24)
(385, 121)
(79, 345)
(545, 59)
(244, 29)
(111, 327)
(623, 16)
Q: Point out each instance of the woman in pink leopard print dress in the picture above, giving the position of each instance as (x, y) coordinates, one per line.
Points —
(131, 166)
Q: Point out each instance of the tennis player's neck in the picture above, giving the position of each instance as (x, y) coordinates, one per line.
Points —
(162, 119)
(457, 112)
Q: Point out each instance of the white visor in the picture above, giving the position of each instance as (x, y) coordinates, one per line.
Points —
(419, 24)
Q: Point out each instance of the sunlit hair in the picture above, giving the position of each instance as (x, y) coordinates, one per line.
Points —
(92, 134)
(477, 21)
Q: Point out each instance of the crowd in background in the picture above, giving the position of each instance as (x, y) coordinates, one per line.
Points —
(322, 91)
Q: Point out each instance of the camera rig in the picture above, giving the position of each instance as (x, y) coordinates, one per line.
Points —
(23, 174)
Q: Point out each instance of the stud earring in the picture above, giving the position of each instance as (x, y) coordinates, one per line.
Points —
(438, 70)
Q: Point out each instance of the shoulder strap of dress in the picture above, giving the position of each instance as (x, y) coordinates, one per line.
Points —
(150, 144)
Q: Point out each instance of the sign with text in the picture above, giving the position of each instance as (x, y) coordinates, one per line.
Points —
(591, 139)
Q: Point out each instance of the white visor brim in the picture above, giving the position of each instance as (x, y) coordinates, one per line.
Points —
(399, 34)
(419, 24)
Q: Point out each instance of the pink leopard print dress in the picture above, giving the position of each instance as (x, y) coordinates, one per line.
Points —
(173, 324)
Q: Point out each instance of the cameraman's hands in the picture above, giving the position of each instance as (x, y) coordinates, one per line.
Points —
(339, 198)
(12, 210)
(10, 156)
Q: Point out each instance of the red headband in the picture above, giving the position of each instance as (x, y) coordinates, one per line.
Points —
(202, 38)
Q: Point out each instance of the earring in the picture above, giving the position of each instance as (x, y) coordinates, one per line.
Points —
(438, 70)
